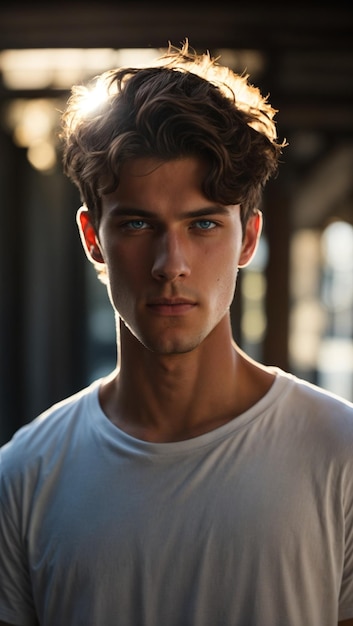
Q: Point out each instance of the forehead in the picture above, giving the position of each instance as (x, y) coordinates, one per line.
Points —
(150, 168)
(152, 181)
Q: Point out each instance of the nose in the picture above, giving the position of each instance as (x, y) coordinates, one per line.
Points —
(170, 260)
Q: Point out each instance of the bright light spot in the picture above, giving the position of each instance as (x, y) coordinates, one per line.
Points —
(253, 325)
(32, 123)
(137, 56)
(30, 120)
(253, 286)
(93, 99)
(335, 366)
(337, 242)
(25, 69)
(305, 263)
(42, 156)
(59, 68)
(54, 68)
(335, 354)
(307, 322)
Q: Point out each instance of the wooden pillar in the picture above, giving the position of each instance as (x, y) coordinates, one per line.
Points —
(277, 228)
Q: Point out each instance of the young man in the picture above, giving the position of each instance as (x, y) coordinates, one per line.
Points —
(193, 486)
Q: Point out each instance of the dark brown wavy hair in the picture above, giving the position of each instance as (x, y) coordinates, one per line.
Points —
(183, 104)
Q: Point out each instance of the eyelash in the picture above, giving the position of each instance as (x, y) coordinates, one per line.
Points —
(211, 223)
(131, 225)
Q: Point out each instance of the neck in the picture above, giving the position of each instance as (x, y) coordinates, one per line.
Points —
(178, 396)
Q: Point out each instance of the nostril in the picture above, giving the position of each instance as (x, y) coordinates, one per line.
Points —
(171, 259)
(168, 274)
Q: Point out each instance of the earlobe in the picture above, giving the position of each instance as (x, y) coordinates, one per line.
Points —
(88, 236)
(251, 238)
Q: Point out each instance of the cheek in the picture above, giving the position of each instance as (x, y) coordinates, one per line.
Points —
(127, 271)
(226, 261)
(227, 285)
(225, 281)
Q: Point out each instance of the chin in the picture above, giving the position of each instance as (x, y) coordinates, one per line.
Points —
(169, 346)
(168, 340)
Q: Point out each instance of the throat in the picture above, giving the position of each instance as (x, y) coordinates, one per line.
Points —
(180, 403)
(167, 431)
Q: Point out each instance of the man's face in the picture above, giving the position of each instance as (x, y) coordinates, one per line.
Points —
(171, 254)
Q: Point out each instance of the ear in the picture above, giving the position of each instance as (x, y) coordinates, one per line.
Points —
(251, 238)
(88, 235)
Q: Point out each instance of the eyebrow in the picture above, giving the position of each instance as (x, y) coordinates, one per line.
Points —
(133, 212)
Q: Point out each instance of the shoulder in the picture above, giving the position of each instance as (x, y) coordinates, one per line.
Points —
(310, 395)
(42, 437)
(321, 413)
(313, 398)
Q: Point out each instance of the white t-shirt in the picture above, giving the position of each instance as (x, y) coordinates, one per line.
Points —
(248, 525)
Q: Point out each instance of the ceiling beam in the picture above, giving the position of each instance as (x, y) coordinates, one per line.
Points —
(143, 24)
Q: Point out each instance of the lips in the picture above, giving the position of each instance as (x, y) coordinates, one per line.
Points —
(169, 301)
(171, 306)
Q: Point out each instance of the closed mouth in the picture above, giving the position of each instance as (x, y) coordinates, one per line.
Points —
(171, 306)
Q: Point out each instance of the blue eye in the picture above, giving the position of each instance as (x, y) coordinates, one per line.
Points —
(136, 224)
(205, 224)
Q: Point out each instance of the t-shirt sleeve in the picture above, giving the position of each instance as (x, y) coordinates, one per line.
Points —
(16, 602)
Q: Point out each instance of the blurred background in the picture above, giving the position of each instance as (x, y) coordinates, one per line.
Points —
(294, 306)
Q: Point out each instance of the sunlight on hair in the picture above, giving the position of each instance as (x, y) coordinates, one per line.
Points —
(93, 98)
